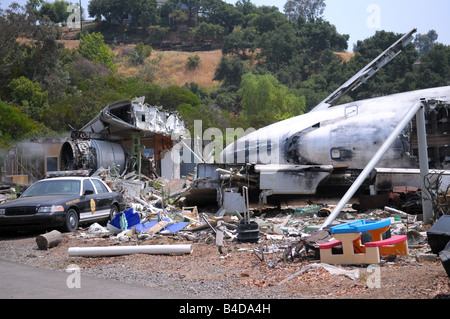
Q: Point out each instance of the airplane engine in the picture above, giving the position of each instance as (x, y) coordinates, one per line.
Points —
(91, 154)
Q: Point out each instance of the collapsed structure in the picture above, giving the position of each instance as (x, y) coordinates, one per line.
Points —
(118, 135)
(331, 145)
(125, 136)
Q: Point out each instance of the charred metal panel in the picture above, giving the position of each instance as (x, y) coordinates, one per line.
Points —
(119, 120)
(292, 182)
(99, 143)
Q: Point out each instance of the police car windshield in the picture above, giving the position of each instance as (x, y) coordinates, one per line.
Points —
(53, 187)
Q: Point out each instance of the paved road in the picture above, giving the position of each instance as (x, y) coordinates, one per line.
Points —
(25, 282)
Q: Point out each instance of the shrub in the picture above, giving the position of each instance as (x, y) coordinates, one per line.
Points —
(93, 48)
(193, 62)
(139, 53)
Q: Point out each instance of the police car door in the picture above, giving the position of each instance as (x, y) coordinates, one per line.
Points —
(88, 205)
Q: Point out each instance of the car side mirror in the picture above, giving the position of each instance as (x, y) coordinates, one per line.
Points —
(88, 192)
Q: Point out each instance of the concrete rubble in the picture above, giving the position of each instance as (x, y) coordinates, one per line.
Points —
(6, 191)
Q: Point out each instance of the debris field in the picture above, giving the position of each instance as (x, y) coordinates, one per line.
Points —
(281, 262)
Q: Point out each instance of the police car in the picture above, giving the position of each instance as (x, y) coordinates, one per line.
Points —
(62, 202)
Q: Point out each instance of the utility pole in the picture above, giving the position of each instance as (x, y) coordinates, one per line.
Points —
(81, 19)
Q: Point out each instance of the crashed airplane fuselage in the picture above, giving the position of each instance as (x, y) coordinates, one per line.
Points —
(340, 139)
(103, 141)
(331, 145)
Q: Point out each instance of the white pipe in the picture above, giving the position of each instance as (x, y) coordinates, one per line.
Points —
(195, 154)
(394, 211)
(376, 158)
(427, 207)
(127, 250)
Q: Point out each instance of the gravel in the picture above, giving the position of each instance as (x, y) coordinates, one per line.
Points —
(238, 273)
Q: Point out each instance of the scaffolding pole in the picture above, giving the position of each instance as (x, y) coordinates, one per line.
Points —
(370, 166)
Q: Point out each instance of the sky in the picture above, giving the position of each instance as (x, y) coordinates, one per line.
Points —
(362, 18)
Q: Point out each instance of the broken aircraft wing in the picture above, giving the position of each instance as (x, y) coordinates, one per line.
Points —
(368, 71)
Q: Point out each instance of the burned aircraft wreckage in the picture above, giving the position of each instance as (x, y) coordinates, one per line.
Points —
(118, 134)
(374, 144)
(332, 145)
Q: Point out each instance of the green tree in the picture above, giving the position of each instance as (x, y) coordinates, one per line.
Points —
(193, 62)
(390, 79)
(173, 96)
(434, 69)
(246, 7)
(56, 11)
(43, 52)
(144, 12)
(265, 100)
(208, 31)
(278, 46)
(209, 115)
(29, 96)
(229, 71)
(139, 53)
(241, 42)
(14, 23)
(424, 42)
(309, 10)
(320, 35)
(221, 13)
(93, 48)
(178, 17)
(15, 125)
(267, 20)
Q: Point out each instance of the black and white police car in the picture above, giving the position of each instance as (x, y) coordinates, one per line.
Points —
(61, 202)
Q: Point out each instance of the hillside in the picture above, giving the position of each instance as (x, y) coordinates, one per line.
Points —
(169, 67)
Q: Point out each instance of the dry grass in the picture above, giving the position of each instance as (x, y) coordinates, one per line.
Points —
(70, 44)
(345, 56)
(172, 69)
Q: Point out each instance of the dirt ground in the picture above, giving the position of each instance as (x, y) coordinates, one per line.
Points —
(238, 273)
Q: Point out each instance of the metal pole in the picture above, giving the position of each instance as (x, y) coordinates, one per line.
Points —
(427, 207)
(81, 19)
(352, 190)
